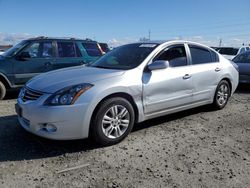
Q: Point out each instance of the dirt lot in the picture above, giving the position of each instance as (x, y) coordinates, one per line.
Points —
(195, 148)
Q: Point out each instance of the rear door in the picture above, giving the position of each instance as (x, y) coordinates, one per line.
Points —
(40, 59)
(67, 55)
(205, 72)
(169, 88)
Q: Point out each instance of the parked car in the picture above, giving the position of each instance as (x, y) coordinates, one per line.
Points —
(243, 62)
(230, 52)
(38, 55)
(130, 84)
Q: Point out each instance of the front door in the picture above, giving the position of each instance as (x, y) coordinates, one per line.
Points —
(169, 88)
(38, 59)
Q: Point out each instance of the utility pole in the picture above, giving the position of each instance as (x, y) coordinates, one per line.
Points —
(149, 34)
(220, 42)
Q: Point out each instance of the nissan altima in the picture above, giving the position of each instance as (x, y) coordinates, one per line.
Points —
(130, 84)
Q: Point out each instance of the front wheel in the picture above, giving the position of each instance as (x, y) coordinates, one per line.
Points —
(222, 95)
(2, 90)
(113, 121)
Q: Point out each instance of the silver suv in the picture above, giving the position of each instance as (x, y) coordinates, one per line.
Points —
(130, 84)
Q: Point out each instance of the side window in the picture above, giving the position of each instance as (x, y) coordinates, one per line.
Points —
(78, 53)
(33, 50)
(92, 49)
(66, 49)
(215, 56)
(242, 50)
(175, 55)
(46, 49)
(200, 55)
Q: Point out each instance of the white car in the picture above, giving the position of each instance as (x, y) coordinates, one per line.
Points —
(130, 84)
(230, 52)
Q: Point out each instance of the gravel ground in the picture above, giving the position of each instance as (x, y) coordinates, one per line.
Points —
(195, 148)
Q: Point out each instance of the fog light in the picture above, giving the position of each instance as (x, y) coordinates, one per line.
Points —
(49, 128)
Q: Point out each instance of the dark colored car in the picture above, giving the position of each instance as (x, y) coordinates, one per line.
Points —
(38, 55)
(243, 62)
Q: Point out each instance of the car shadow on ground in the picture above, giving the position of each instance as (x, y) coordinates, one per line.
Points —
(243, 88)
(12, 94)
(16, 144)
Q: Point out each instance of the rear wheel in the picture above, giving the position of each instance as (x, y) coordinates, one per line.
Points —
(222, 95)
(113, 121)
(2, 90)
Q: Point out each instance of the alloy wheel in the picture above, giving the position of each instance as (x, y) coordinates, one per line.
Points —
(115, 121)
(222, 94)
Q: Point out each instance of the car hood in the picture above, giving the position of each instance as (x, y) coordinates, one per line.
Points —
(53, 81)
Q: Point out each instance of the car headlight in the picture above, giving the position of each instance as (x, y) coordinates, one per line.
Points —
(68, 96)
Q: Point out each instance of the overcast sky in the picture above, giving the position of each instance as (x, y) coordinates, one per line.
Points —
(123, 21)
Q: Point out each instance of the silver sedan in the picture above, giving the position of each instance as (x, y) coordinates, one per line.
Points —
(130, 84)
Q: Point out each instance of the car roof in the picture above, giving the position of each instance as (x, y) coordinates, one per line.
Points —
(159, 42)
(61, 39)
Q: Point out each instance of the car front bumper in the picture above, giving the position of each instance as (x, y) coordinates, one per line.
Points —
(53, 122)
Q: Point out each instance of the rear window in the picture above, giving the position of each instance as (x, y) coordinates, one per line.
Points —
(200, 55)
(92, 49)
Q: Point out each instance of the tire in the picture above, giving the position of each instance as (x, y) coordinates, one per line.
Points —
(222, 95)
(2, 90)
(113, 121)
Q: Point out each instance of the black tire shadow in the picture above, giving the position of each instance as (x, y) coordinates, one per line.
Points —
(12, 94)
(243, 88)
(17, 144)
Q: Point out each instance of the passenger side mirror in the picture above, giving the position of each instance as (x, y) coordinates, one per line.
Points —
(23, 56)
(158, 64)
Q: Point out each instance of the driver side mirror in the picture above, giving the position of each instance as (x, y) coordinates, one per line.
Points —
(23, 56)
(158, 64)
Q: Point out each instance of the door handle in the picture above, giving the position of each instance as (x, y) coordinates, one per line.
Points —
(186, 76)
(217, 69)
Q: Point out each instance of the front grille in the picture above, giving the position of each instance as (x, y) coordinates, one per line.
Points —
(30, 95)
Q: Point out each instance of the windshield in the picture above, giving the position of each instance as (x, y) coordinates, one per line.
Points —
(125, 57)
(228, 51)
(12, 51)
